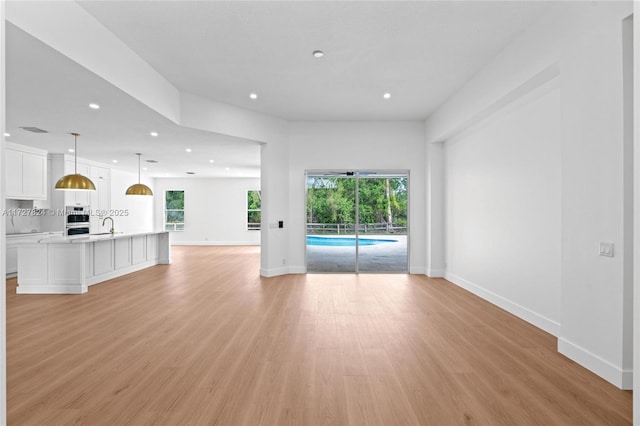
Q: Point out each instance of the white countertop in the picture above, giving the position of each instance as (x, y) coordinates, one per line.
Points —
(82, 239)
(32, 234)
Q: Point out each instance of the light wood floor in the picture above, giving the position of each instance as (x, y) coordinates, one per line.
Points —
(207, 341)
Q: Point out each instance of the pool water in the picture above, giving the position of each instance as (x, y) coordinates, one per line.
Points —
(345, 241)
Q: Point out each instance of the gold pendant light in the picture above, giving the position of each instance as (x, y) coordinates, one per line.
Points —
(75, 182)
(139, 188)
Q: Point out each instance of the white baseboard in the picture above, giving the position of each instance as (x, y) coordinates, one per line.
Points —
(548, 325)
(623, 379)
(283, 270)
(274, 272)
(214, 243)
(435, 273)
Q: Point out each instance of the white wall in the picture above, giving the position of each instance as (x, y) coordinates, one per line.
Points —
(215, 210)
(206, 114)
(3, 304)
(435, 263)
(636, 212)
(18, 223)
(503, 209)
(58, 25)
(581, 43)
(130, 213)
(356, 146)
(594, 315)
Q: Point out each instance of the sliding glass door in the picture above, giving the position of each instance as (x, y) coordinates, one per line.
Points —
(331, 218)
(382, 217)
(357, 221)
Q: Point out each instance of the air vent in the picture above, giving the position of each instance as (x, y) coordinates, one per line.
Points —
(34, 130)
(151, 161)
(190, 173)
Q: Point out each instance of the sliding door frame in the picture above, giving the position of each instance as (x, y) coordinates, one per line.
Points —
(357, 174)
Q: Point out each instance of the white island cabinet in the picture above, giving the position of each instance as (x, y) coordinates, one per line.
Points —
(16, 240)
(69, 265)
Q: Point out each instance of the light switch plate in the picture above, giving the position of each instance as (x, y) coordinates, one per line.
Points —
(606, 249)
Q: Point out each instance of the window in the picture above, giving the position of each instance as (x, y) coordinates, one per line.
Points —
(254, 202)
(174, 210)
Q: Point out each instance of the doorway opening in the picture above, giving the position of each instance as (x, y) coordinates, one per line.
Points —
(357, 221)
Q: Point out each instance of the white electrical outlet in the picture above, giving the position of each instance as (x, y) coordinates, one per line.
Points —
(606, 249)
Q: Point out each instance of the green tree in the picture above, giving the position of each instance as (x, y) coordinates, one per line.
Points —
(254, 212)
(174, 200)
(174, 210)
(381, 200)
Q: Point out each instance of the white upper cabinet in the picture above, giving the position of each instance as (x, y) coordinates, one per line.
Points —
(77, 198)
(82, 168)
(98, 200)
(34, 171)
(25, 172)
(13, 173)
(100, 173)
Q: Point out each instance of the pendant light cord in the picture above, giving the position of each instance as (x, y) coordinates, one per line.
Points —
(75, 153)
(139, 188)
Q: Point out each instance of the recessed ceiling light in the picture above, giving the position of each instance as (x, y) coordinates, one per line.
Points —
(386, 95)
(6, 135)
(154, 134)
(145, 169)
(114, 161)
(71, 150)
(212, 161)
(188, 149)
(94, 106)
(318, 53)
(227, 168)
(253, 96)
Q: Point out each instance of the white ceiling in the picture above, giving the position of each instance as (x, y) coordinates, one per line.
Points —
(421, 52)
(48, 90)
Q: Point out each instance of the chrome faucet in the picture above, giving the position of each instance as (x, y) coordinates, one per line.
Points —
(112, 230)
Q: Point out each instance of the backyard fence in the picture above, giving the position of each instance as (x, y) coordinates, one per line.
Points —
(174, 226)
(350, 229)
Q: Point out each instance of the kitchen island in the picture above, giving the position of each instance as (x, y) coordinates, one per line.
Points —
(69, 265)
(14, 240)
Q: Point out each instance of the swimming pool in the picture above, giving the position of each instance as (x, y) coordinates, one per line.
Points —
(345, 241)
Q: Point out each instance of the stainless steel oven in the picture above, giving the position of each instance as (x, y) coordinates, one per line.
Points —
(75, 215)
(77, 220)
(77, 230)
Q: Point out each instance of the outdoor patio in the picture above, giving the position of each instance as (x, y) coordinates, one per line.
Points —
(383, 257)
